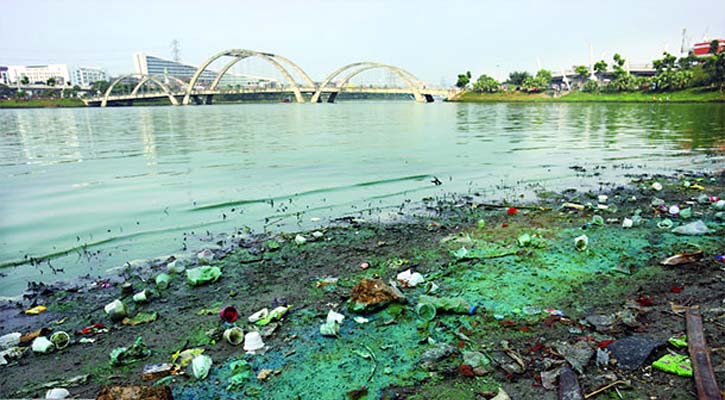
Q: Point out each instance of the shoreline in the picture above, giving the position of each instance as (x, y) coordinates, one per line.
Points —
(511, 278)
(687, 96)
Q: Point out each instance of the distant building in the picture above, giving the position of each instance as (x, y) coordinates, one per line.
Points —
(62, 73)
(4, 76)
(85, 76)
(39, 74)
(153, 65)
(703, 49)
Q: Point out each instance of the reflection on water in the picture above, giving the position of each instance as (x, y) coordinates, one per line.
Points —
(136, 178)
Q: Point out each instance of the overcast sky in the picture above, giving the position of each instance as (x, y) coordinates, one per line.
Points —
(435, 40)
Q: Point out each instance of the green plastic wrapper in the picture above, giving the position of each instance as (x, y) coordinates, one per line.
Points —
(451, 304)
(201, 275)
(129, 355)
(678, 341)
(241, 371)
(674, 364)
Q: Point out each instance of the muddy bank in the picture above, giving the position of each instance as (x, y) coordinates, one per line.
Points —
(533, 303)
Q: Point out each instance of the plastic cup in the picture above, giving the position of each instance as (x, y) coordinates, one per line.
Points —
(425, 311)
(228, 314)
(141, 297)
(234, 335)
(60, 339)
(162, 281)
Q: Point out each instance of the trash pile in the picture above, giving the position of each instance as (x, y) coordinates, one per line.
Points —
(578, 294)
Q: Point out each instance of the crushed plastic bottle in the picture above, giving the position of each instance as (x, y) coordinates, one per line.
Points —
(205, 256)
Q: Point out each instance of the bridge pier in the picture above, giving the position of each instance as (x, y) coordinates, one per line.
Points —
(208, 99)
(429, 98)
(332, 97)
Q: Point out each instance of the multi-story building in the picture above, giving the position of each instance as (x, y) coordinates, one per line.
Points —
(153, 65)
(39, 74)
(85, 76)
(62, 73)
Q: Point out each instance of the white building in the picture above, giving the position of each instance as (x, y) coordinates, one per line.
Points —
(39, 74)
(85, 76)
(63, 74)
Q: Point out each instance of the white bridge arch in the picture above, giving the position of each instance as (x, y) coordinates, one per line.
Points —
(240, 54)
(414, 84)
(144, 79)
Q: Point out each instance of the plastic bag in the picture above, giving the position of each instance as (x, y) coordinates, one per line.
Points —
(200, 366)
(129, 355)
(201, 275)
(694, 228)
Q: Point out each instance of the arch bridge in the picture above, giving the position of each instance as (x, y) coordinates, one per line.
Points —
(296, 82)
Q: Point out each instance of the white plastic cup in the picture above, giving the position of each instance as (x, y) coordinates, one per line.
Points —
(253, 342)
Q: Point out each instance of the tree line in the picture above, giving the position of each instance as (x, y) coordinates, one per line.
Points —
(671, 73)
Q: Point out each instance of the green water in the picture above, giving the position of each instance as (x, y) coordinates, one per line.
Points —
(133, 183)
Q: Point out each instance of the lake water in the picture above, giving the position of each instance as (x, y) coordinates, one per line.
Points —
(129, 182)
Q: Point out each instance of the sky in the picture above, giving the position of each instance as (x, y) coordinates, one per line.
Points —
(435, 40)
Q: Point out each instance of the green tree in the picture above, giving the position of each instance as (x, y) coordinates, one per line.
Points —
(618, 60)
(463, 80)
(543, 77)
(50, 81)
(669, 75)
(591, 86)
(518, 77)
(582, 71)
(24, 80)
(100, 87)
(714, 46)
(622, 80)
(486, 84)
(715, 68)
(600, 67)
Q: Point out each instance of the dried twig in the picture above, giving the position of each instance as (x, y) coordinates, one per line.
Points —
(605, 388)
(702, 366)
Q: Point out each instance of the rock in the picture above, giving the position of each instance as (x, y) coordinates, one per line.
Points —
(577, 355)
(162, 392)
(569, 388)
(602, 323)
(438, 352)
(507, 363)
(548, 378)
(478, 362)
(632, 351)
(371, 294)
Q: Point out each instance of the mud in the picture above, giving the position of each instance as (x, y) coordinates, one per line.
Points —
(532, 299)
